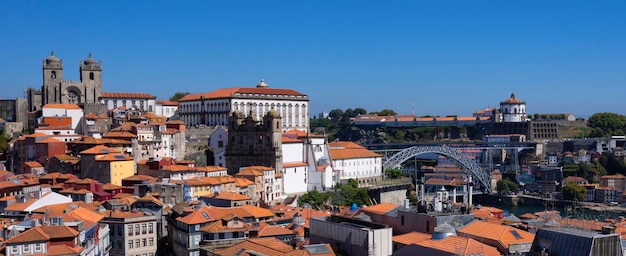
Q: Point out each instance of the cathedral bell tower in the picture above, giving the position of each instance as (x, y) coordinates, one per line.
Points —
(52, 77)
(91, 79)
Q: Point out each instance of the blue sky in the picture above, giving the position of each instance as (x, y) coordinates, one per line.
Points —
(450, 57)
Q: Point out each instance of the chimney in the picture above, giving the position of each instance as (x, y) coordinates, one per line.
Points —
(607, 230)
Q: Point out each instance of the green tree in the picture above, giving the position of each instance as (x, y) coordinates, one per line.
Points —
(360, 111)
(4, 141)
(350, 193)
(335, 114)
(608, 122)
(506, 185)
(387, 112)
(393, 173)
(573, 191)
(178, 95)
(314, 198)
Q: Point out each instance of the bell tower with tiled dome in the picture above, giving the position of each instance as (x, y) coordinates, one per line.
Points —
(513, 109)
(56, 89)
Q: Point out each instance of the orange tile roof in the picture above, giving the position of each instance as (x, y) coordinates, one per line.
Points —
(352, 153)
(257, 168)
(65, 106)
(297, 133)
(202, 215)
(58, 121)
(138, 177)
(168, 103)
(258, 212)
(33, 164)
(98, 150)
(411, 238)
(35, 234)
(382, 208)
(497, 233)
(295, 164)
(178, 168)
(274, 231)
(456, 245)
(90, 217)
(290, 140)
(119, 134)
(63, 249)
(243, 182)
(268, 246)
(122, 214)
(232, 92)
(211, 168)
(127, 95)
(149, 198)
(113, 157)
(59, 231)
(229, 196)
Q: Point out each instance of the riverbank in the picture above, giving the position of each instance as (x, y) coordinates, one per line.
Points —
(528, 200)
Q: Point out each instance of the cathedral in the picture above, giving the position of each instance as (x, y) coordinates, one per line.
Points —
(57, 90)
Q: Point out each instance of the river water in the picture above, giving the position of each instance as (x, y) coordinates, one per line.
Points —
(578, 214)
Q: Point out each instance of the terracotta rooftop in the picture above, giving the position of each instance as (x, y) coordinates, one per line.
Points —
(64, 106)
(127, 95)
(381, 209)
(35, 234)
(229, 196)
(270, 246)
(99, 150)
(272, 230)
(504, 235)
(233, 92)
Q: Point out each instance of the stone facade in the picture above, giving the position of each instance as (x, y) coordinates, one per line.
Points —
(253, 143)
(57, 90)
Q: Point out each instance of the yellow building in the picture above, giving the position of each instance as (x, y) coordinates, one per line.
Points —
(106, 165)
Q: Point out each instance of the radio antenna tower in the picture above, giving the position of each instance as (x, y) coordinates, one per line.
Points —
(413, 107)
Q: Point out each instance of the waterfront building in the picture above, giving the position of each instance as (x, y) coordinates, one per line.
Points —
(353, 161)
(616, 181)
(214, 108)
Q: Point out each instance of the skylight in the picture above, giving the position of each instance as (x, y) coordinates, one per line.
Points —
(515, 234)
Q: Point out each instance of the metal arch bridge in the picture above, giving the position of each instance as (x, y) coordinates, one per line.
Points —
(467, 165)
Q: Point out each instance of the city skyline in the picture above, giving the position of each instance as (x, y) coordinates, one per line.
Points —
(449, 58)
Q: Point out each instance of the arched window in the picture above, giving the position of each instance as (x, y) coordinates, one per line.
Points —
(53, 74)
(90, 75)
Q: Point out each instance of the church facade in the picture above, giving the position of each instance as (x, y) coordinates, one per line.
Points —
(56, 89)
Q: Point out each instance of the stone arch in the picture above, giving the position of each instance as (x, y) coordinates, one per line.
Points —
(467, 165)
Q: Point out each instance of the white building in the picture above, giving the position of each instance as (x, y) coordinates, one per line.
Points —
(218, 142)
(140, 101)
(295, 168)
(353, 161)
(165, 108)
(214, 108)
(72, 111)
(513, 109)
(316, 154)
